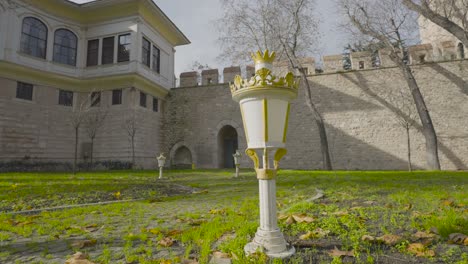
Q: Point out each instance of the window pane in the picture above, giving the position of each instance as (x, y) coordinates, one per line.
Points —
(33, 37)
(108, 50)
(24, 91)
(146, 52)
(65, 43)
(156, 59)
(65, 98)
(155, 104)
(117, 97)
(124, 48)
(93, 49)
(142, 99)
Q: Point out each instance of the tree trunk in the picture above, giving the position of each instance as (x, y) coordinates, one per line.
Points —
(440, 20)
(408, 146)
(432, 156)
(91, 154)
(76, 150)
(327, 165)
(133, 152)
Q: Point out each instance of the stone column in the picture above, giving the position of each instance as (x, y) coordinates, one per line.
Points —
(268, 237)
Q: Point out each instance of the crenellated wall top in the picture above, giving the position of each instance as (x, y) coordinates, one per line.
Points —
(364, 60)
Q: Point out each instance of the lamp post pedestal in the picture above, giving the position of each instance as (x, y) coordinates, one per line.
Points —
(160, 172)
(161, 162)
(268, 238)
(236, 157)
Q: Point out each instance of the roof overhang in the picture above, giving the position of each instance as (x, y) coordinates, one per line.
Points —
(104, 10)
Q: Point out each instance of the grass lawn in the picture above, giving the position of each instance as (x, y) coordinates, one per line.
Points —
(363, 217)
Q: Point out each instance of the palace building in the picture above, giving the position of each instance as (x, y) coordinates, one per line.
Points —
(54, 54)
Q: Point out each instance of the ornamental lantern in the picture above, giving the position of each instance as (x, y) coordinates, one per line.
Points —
(161, 162)
(264, 102)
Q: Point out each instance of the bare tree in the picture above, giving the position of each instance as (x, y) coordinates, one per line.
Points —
(131, 126)
(8, 4)
(289, 37)
(93, 122)
(80, 111)
(407, 116)
(286, 26)
(199, 67)
(392, 24)
(451, 15)
(246, 26)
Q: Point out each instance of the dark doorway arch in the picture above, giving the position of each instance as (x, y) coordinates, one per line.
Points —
(227, 145)
(182, 158)
(461, 51)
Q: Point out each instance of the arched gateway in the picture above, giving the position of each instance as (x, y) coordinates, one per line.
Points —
(227, 145)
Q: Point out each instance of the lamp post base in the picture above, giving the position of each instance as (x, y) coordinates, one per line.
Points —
(272, 243)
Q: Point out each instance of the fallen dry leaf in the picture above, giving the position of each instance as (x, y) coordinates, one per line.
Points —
(296, 218)
(25, 223)
(91, 228)
(340, 213)
(421, 234)
(317, 233)
(339, 253)
(302, 218)
(420, 250)
(457, 238)
(389, 239)
(234, 256)
(174, 232)
(84, 243)
(78, 258)
(368, 238)
(220, 255)
(218, 211)
(448, 203)
(200, 192)
(154, 231)
(408, 207)
(166, 242)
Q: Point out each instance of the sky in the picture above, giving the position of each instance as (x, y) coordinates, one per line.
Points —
(196, 19)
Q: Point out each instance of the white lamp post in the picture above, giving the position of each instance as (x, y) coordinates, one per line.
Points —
(237, 156)
(161, 162)
(265, 103)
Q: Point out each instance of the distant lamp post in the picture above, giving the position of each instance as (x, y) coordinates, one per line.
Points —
(265, 105)
(237, 156)
(161, 162)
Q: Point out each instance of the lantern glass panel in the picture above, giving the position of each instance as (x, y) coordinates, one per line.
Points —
(277, 112)
(254, 121)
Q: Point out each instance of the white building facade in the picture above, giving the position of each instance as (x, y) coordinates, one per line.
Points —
(60, 61)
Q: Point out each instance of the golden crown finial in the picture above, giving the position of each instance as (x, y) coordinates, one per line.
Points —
(266, 57)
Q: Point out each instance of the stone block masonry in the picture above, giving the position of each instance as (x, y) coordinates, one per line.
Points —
(360, 114)
(40, 130)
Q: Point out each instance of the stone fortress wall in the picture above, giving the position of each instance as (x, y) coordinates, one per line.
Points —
(357, 105)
